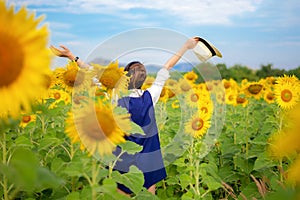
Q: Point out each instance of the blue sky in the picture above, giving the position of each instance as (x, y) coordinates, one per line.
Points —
(247, 32)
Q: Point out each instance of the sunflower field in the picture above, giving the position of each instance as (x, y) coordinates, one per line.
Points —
(220, 138)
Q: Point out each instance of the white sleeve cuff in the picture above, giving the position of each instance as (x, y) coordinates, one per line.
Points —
(157, 86)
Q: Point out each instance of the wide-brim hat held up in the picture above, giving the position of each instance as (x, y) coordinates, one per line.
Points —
(205, 50)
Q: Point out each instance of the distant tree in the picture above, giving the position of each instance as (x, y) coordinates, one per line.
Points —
(206, 72)
(209, 71)
(264, 71)
(223, 71)
(238, 73)
(295, 72)
(267, 70)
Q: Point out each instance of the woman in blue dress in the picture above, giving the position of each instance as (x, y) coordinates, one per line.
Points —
(140, 104)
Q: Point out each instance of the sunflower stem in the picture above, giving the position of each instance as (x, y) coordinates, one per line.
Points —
(234, 133)
(114, 163)
(191, 160)
(281, 170)
(281, 116)
(247, 134)
(94, 179)
(41, 118)
(197, 178)
(71, 155)
(4, 157)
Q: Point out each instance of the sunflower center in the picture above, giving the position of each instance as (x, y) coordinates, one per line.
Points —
(286, 95)
(204, 109)
(99, 93)
(163, 92)
(209, 87)
(231, 97)
(270, 96)
(227, 85)
(185, 87)
(110, 78)
(240, 100)
(107, 123)
(90, 127)
(170, 83)
(255, 88)
(11, 60)
(73, 77)
(100, 127)
(26, 118)
(194, 97)
(171, 94)
(77, 99)
(57, 95)
(197, 124)
(190, 77)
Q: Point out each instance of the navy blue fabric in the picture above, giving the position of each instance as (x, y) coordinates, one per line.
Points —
(149, 160)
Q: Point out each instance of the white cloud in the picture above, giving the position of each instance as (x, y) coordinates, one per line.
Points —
(59, 25)
(189, 11)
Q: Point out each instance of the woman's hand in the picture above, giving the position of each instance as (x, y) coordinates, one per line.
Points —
(191, 43)
(63, 52)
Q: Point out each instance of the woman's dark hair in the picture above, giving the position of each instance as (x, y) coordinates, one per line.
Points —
(137, 73)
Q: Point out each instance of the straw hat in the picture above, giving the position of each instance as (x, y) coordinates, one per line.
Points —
(204, 50)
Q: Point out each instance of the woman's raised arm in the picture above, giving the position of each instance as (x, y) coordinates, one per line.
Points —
(189, 44)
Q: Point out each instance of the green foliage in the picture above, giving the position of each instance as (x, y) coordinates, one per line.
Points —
(39, 161)
(226, 171)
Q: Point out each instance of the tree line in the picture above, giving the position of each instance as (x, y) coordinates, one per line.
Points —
(240, 72)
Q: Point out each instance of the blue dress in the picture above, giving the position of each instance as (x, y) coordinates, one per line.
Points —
(149, 160)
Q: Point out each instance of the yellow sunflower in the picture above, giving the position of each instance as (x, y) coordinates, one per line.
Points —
(97, 127)
(229, 84)
(244, 82)
(171, 85)
(286, 95)
(209, 86)
(190, 76)
(217, 86)
(221, 97)
(72, 131)
(231, 95)
(24, 59)
(148, 82)
(175, 104)
(49, 81)
(206, 106)
(269, 96)
(254, 89)
(241, 99)
(285, 143)
(26, 119)
(73, 78)
(198, 125)
(164, 96)
(58, 96)
(57, 76)
(292, 79)
(183, 86)
(201, 87)
(192, 98)
(112, 77)
(294, 172)
(271, 81)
